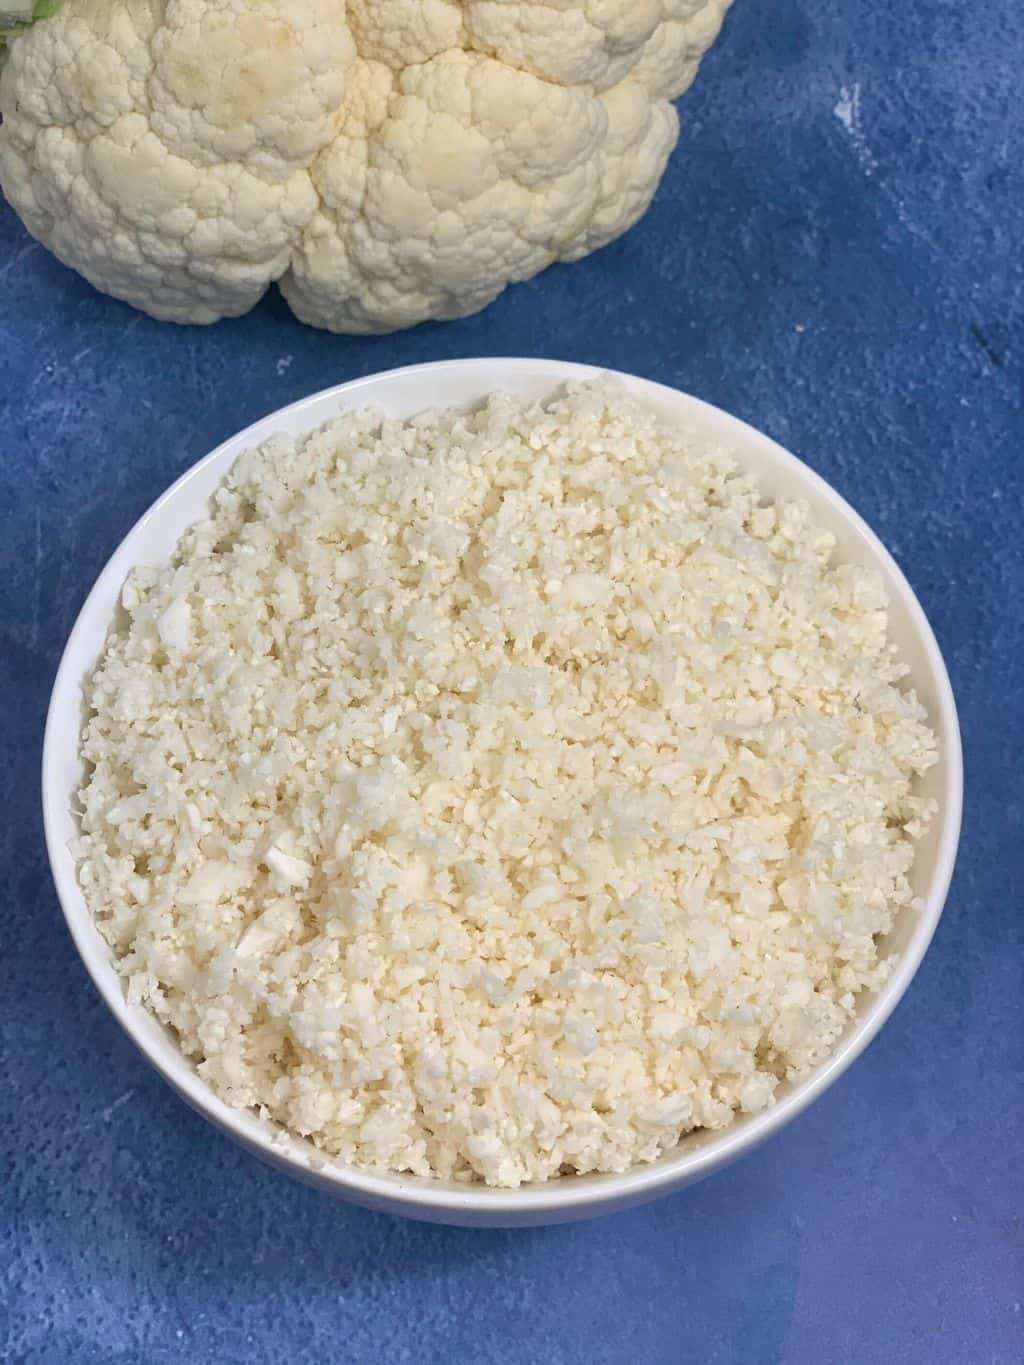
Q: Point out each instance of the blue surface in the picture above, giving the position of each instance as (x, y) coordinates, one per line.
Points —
(835, 255)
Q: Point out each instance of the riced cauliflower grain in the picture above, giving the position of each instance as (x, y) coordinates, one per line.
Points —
(501, 793)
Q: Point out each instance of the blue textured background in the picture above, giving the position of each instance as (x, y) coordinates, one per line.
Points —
(835, 255)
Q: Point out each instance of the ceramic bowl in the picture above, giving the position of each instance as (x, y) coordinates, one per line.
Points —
(402, 393)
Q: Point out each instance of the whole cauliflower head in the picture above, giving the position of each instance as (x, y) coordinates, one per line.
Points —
(385, 161)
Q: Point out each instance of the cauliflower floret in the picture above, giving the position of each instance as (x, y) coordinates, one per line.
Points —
(387, 161)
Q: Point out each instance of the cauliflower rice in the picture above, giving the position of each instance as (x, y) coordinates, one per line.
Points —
(503, 793)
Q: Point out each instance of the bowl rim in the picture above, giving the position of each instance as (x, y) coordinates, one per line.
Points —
(420, 1196)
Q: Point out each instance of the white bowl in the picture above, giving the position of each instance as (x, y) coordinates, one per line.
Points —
(402, 393)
